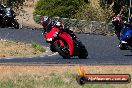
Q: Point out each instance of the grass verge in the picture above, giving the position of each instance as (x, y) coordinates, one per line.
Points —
(10, 48)
(53, 80)
(50, 77)
(38, 47)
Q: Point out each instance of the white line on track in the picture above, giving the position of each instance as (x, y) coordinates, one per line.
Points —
(53, 54)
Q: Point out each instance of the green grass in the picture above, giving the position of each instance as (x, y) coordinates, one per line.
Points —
(38, 47)
(6, 84)
(52, 80)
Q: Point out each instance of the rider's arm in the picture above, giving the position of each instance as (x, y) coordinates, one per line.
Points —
(44, 31)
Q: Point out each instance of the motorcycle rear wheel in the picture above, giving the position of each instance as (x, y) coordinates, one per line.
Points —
(83, 52)
(61, 52)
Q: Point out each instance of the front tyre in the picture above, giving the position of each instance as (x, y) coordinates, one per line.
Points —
(15, 24)
(123, 46)
(62, 50)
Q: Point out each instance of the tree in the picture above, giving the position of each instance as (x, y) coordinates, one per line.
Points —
(63, 8)
(118, 7)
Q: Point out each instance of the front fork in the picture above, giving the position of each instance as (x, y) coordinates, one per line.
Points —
(125, 45)
(52, 48)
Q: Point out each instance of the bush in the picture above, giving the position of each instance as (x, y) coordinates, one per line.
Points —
(62, 8)
(37, 18)
(72, 9)
(89, 12)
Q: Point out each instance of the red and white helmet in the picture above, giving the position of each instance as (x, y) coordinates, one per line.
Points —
(116, 20)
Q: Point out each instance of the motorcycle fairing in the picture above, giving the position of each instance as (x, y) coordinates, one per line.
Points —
(51, 33)
(126, 33)
(62, 35)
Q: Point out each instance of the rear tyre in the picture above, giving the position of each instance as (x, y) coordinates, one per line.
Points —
(62, 51)
(83, 52)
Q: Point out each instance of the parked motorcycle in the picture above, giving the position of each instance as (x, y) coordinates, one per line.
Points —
(8, 18)
(65, 42)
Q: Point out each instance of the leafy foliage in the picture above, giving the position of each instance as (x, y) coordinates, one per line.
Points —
(79, 9)
(62, 8)
(118, 7)
(88, 12)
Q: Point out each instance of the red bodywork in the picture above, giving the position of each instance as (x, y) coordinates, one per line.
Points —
(62, 35)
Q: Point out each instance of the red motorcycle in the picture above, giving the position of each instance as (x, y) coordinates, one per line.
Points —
(64, 41)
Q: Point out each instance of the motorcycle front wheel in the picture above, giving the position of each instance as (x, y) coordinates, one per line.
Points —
(62, 50)
(15, 24)
(123, 46)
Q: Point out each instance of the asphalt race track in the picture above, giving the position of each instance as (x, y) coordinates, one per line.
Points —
(102, 49)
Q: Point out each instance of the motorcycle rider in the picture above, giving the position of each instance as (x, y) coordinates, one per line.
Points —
(48, 24)
(1, 13)
(2, 8)
(119, 24)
